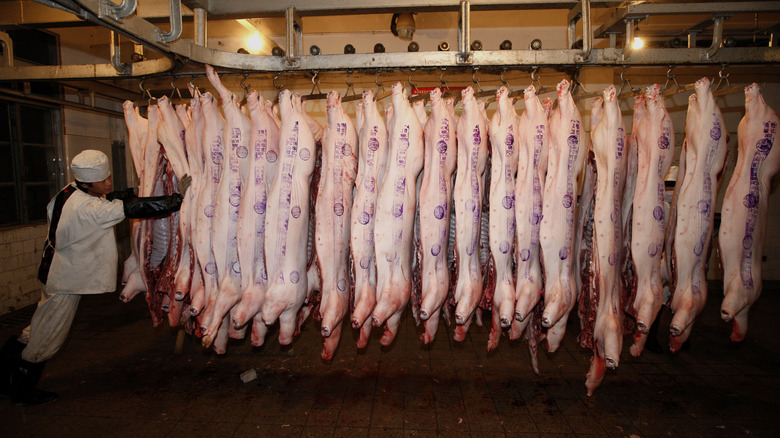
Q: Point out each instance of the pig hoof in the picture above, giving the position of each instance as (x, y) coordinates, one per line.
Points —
(325, 334)
(375, 321)
(519, 316)
(459, 320)
(178, 296)
(505, 322)
(611, 363)
(355, 324)
(236, 325)
(725, 315)
(424, 314)
(675, 331)
(641, 326)
(546, 322)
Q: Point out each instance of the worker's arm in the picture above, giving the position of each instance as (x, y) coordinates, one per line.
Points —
(152, 206)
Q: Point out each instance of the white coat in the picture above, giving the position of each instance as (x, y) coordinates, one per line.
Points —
(85, 255)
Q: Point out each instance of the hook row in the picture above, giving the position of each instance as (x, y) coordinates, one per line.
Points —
(723, 77)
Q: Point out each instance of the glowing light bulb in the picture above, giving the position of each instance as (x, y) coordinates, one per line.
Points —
(254, 42)
(638, 43)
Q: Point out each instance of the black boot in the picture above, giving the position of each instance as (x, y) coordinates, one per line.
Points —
(23, 381)
(9, 360)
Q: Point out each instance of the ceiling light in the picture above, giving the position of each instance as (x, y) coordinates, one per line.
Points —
(638, 43)
(254, 42)
(403, 26)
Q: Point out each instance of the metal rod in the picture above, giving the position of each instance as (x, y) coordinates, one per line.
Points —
(200, 27)
(464, 32)
(176, 23)
(628, 45)
(116, 54)
(717, 38)
(587, 30)
(294, 35)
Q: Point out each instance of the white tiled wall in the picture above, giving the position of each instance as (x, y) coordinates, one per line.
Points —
(20, 255)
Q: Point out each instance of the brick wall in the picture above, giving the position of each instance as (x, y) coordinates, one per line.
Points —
(20, 254)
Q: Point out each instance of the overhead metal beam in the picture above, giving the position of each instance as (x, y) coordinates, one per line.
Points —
(615, 23)
(96, 71)
(145, 32)
(252, 9)
(497, 58)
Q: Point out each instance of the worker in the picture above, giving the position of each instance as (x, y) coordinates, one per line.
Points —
(80, 258)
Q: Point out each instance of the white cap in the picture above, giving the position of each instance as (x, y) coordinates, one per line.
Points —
(90, 166)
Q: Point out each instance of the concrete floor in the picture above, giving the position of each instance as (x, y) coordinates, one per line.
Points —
(118, 376)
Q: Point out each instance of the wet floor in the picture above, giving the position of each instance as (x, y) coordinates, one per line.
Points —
(119, 376)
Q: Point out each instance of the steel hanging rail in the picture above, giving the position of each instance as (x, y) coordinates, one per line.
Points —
(149, 35)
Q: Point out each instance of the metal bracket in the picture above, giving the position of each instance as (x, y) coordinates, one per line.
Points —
(176, 24)
(628, 44)
(117, 11)
(717, 38)
(200, 27)
(464, 33)
(116, 62)
(581, 11)
(294, 35)
(8, 49)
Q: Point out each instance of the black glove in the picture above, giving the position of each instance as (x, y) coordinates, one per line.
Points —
(123, 195)
(155, 206)
(184, 184)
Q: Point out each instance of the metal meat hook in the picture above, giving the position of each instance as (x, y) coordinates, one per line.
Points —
(315, 83)
(475, 81)
(277, 86)
(669, 77)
